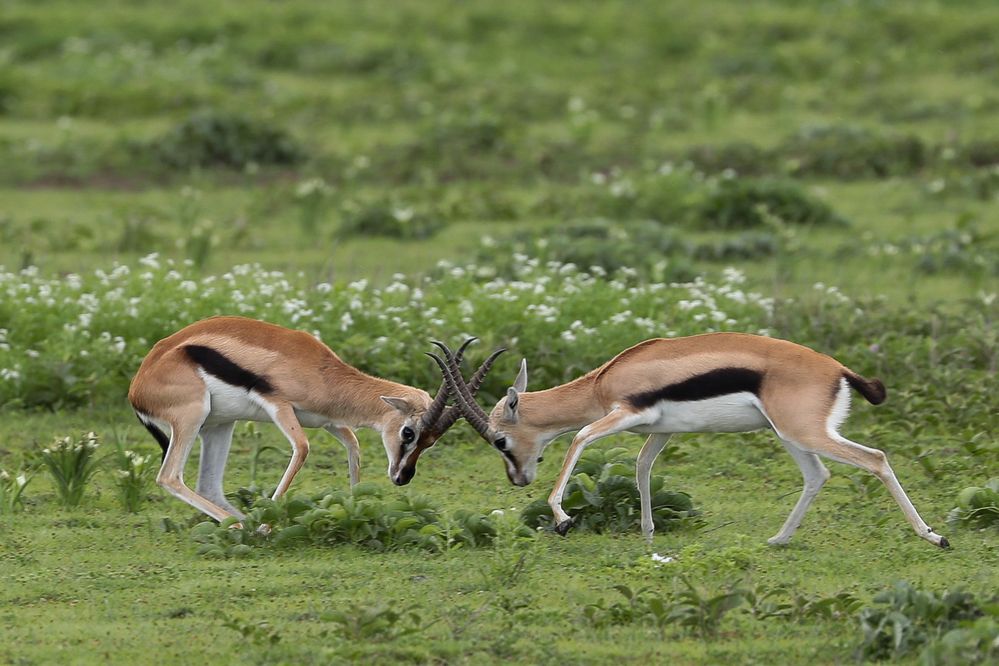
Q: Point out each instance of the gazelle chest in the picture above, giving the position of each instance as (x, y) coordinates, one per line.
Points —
(732, 412)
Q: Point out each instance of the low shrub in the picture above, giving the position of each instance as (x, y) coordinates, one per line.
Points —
(743, 159)
(386, 219)
(851, 153)
(216, 139)
(737, 204)
(360, 516)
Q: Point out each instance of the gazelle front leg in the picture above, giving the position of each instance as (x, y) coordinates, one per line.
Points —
(283, 415)
(643, 473)
(349, 440)
(617, 421)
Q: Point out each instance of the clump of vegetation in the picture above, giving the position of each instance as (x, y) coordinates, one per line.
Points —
(689, 607)
(12, 490)
(133, 478)
(851, 152)
(361, 622)
(215, 139)
(360, 516)
(648, 247)
(71, 462)
(382, 218)
(974, 643)
(743, 204)
(905, 619)
(978, 506)
(602, 496)
(741, 158)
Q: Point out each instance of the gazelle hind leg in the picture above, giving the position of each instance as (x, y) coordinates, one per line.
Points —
(875, 461)
(815, 475)
(618, 420)
(184, 431)
(349, 440)
(215, 444)
(653, 446)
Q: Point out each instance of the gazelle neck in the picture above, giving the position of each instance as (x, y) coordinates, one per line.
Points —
(562, 408)
(354, 398)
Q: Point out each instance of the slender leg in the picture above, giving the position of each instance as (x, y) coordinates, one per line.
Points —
(875, 461)
(643, 473)
(215, 444)
(184, 431)
(815, 475)
(349, 440)
(617, 421)
(283, 415)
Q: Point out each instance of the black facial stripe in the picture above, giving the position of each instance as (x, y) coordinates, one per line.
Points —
(722, 381)
(219, 366)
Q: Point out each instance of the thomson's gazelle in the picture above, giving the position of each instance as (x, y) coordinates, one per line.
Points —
(203, 378)
(718, 382)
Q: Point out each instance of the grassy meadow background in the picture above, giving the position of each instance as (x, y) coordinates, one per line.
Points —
(564, 179)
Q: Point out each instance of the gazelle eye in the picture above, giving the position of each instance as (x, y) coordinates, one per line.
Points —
(500, 443)
(408, 435)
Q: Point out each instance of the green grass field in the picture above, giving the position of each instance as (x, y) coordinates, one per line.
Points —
(822, 172)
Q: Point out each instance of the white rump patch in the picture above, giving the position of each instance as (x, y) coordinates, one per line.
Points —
(840, 409)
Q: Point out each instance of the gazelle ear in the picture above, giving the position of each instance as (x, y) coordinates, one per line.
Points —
(520, 383)
(510, 408)
(399, 404)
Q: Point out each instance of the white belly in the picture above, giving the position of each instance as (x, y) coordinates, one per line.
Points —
(735, 412)
(230, 403)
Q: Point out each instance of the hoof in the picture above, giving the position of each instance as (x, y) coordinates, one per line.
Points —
(563, 527)
(944, 543)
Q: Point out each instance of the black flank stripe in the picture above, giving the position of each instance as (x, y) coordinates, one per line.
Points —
(219, 366)
(700, 387)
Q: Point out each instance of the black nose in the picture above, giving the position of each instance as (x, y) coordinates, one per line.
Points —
(404, 476)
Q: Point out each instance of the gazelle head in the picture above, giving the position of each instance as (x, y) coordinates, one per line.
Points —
(418, 422)
(520, 443)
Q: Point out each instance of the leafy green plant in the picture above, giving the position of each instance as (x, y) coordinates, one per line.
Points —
(12, 490)
(71, 463)
(258, 633)
(602, 496)
(690, 608)
(360, 516)
(907, 618)
(378, 622)
(978, 506)
(973, 643)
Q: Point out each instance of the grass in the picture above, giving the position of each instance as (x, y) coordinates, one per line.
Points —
(521, 122)
(128, 587)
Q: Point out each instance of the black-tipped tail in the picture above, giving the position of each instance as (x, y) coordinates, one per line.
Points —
(157, 434)
(872, 389)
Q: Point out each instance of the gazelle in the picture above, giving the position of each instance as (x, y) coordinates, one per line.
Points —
(717, 382)
(207, 376)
